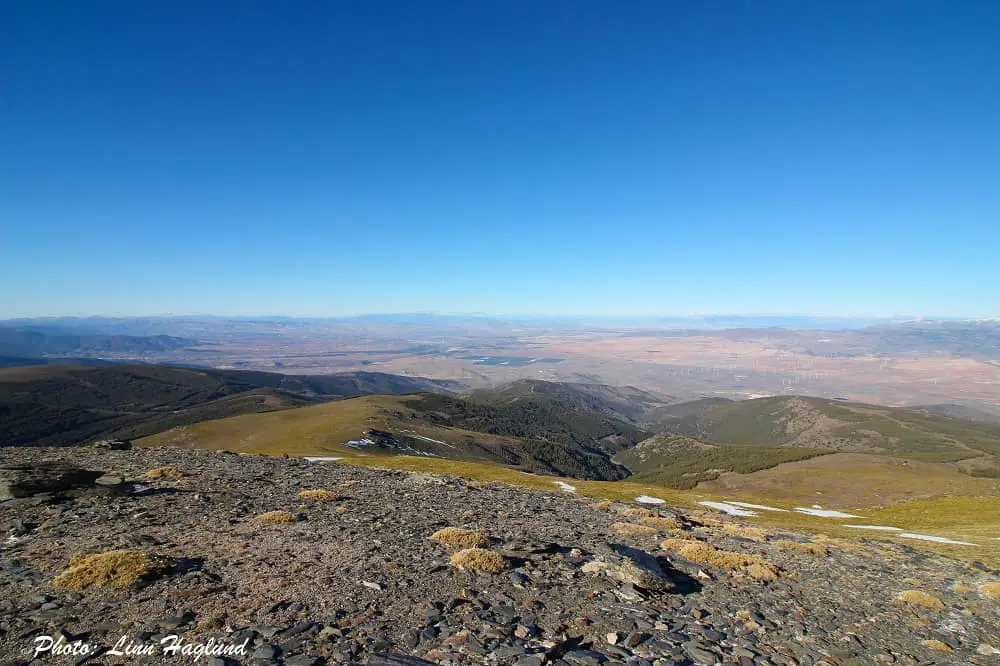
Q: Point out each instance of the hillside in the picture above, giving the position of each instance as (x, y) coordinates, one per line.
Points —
(60, 404)
(622, 402)
(311, 563)
(682, 462)
(423, 424)
(842, 426)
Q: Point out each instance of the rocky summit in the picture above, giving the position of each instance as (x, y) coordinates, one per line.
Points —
(116, 550)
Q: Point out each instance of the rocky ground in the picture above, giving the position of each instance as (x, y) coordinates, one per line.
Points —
(356, 579)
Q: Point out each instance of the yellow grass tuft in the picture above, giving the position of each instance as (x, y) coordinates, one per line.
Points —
(478, 559)
(991, 590)
(276, 518)
(639, 513)
(163, 473)
(633, 529)
(113, 568)
(603, 505)
(807, 548)
(458, 536)
(662, 522)
(320, 496)
(920, 598)
(938, 646)
(843, 544)
(961, 588)
(755, 533)
(342, 509)
(703, 553)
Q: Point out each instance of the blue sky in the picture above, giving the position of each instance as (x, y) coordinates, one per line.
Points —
(514, 157)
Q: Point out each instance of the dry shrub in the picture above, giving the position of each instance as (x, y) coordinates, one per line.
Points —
(320, 495)
(843, 544)
(113, 568)
(478, 559)
(922, 599)
(276, 518)
(458, 536)
(700, 552)
(604, 505)
(807, 548)
(662, 522)
(342, 509)
(639, 513)
(163, 473)
(938, 646)
(755, 533)
(633, 529)
(961, 588)
(991, 590)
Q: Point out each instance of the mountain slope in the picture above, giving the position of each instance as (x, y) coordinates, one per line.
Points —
(819, 423)
(389, 425)
(620, 402)
(58, 405)
(682, 462)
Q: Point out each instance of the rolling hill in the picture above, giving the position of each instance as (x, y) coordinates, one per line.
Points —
(64, 404)
(808, 422)
(621, 402)
(415, 425)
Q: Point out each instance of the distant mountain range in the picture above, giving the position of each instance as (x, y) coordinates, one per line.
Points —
(32, 342)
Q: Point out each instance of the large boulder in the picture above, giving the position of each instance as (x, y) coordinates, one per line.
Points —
(42, 478)
(113, 444)
(630, 565)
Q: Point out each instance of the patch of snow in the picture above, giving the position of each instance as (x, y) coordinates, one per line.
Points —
(825, 513)
(436, 441)
(359, 443)
(883, 528)
(817, 506)
(732, 510)
(762, 507)
(935, 539)
(323, 458)
(565, 486)
(646, 499)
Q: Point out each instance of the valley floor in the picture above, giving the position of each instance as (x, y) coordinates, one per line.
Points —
(356, 578)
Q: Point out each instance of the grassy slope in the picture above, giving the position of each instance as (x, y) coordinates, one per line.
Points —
(829, 424)
(681, 462)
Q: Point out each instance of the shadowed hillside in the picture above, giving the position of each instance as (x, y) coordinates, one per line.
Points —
(59, 404)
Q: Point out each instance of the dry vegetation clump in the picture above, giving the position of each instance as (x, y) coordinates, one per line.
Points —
(603, 505)
(807, 548)
(276, 518)
(700, 552)
(342, 509)
(639, 513)
(319, 495)
(479, 559)
(459, 536)
(113, 568)
(663, 522)
(755, 533)
(961, 588)
(633, 529)
(991, 590)
(843, 544)
(163, 473)
(920, 598)
(938, 646)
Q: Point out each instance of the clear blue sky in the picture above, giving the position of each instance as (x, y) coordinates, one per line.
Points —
(502, 156)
